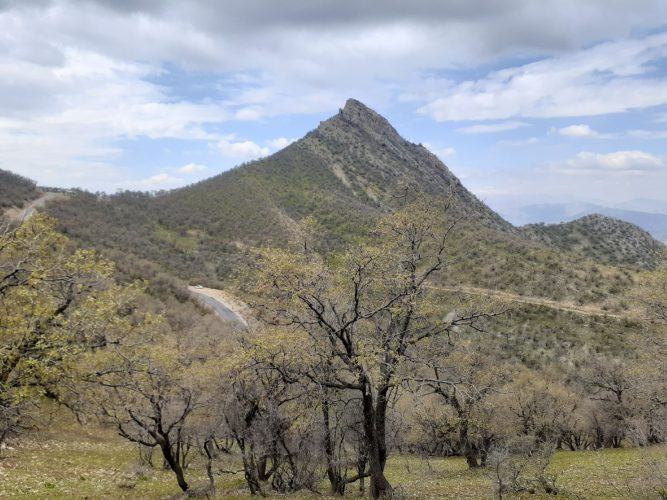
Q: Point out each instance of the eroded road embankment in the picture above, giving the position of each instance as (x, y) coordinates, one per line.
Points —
(225, 306)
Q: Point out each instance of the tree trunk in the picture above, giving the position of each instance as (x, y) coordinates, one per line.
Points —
(467, 450)
(336, 482)
(209, 466)
(374, 429)
(174, 464)
(249, 468)
(362, 461)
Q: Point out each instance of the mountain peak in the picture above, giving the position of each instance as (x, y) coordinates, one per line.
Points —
(355, 106)
(372, 161)
(357, 113)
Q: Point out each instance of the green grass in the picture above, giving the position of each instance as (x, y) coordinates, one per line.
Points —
(78, 463)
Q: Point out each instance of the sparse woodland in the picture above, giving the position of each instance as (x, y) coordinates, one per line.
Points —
(15, 190)
(352, 360)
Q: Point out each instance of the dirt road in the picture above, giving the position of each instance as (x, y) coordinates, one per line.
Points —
(586, 310)
(21, 214)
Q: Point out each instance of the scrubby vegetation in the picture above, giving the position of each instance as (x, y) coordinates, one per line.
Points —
(15, 190)
(345, 175)
(601, 238)
(366, 368)
(355, 375)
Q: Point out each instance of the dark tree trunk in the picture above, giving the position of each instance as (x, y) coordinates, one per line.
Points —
(250, 473)
(208, 450)
(362, 462)
(467, 449)
(174, 464)
(249, 468)
(374, 430)
(336, 481)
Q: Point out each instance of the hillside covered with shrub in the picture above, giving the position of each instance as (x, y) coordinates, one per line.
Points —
(601, 238)
(341, 177)
(15, 190)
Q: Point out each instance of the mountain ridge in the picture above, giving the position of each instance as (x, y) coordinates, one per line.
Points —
(344, 174)
(601, 238)
(553, 213)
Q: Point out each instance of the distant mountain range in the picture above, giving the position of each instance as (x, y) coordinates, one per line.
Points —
(650, 215)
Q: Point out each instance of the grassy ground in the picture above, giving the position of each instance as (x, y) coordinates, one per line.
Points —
(76, 463)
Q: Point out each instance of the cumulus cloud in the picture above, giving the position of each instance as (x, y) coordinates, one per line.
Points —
(280, 142)
(192, 168)
(251, 33)
(79, 78)
(577, 131)
(241, 150)
(581, 131)
(619, 162)
(611, 77)
(158, 181)
(81, 107)
(491, 128)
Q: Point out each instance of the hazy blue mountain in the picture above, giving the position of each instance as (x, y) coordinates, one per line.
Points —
(644, 205)
(554, 213)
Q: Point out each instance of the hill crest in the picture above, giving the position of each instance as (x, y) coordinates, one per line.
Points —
(602, 238)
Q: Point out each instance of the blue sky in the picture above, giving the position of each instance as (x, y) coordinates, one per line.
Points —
(527, 102)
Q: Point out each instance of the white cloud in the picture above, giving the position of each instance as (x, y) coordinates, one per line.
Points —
(65, 130)
(280, 142)
(74, 85)
(241, 150)
(441, 153)
(520, 142)
(577, 131)
(619, 162)
(192, 168)
(491, 128)
(648, 134)
(612, 77)
(158, 181)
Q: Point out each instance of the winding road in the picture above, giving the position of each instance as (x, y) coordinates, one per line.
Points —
(231, 310)
(585, 310)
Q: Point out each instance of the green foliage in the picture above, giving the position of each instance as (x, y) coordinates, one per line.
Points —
(55, 303)
(345, 175)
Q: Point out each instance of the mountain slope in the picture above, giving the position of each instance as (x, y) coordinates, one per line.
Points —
(344, 174)
(601, 238)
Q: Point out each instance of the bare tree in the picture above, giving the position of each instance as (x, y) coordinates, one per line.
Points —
(364, 314)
